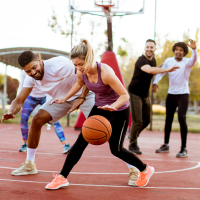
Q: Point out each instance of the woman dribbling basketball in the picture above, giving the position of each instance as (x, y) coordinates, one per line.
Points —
(111, 102)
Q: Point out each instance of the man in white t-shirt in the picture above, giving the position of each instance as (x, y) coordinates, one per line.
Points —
(178, 92)
(35, 98)
(54, 77)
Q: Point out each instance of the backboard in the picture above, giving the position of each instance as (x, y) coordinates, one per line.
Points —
(120, 8)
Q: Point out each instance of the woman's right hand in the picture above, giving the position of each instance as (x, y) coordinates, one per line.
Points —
(58, 100)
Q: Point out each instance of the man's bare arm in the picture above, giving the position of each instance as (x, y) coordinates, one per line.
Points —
(84, 91)
(80, 100)
(16, 104)
(156, 70)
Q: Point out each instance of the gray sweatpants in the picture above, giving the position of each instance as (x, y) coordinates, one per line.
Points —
(57, 111)
(140, 109)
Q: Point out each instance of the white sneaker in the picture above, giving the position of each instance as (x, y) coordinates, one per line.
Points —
(133, 175)
(25, 169)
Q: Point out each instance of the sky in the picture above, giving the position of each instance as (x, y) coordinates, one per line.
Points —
(25, 24)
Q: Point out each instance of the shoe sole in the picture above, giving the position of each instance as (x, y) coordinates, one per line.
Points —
(22, 150)
(24, 173)
(60, 186)
(181, 156)
(132, 183)
(153, 170)
(136, 152)
(166, 151)
(66, 151)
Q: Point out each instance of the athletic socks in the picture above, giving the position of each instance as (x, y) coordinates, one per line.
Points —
(129, 166)
(31, 154)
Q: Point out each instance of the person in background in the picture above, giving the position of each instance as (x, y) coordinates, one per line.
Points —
(145, 68)
(178, 92)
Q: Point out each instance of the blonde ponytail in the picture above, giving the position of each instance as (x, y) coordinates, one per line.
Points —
(85, 52)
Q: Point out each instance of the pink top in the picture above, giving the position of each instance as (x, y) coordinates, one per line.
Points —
(104, 94)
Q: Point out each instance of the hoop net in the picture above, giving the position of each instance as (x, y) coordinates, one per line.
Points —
(106, 5)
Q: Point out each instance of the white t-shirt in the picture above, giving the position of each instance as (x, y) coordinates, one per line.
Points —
(34, 93)
(178, 80)
(59, 77)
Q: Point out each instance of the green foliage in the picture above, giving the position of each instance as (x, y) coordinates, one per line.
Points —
(72, 27)
(12, 86)
(166, 52)
(121, 52)
(1, 80)
(127, 61)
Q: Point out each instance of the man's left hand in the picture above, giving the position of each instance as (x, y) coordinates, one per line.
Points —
(192, 44)
(76, 105)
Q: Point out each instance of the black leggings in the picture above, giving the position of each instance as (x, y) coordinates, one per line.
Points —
(119, 122)
(172, 102)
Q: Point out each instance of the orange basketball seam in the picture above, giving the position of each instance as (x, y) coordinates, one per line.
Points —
(101, 122)
(94, 139)
(96, 130)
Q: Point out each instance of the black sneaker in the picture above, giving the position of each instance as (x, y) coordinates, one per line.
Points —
(163, 149)
(182, 153)
(23, 148)
(135, 149)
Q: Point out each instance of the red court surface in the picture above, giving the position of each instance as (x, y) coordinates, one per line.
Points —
(99, 175)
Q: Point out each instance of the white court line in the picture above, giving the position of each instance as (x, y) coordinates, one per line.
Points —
(109, 157)
(3, 129)
(93, 173)
(117, 186)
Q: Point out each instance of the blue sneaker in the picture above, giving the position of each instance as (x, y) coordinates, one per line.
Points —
(23, 148)
(66, 148)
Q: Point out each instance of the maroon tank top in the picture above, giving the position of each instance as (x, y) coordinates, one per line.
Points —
(104, 94)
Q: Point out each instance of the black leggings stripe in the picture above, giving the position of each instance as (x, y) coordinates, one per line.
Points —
(119, 122)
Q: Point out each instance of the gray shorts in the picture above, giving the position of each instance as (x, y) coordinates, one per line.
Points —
(57, 111)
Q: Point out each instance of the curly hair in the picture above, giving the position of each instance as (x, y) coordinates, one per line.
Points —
(26, 57)
(182, 45)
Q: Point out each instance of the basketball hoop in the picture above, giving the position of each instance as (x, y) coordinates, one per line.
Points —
(106, 5)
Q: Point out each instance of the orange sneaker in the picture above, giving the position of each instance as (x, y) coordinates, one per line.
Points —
(57, 183)
(144, 177)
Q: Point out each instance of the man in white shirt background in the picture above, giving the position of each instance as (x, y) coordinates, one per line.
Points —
(178, 92)
(54, 77)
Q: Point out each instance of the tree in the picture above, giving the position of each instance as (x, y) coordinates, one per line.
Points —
(127, 61)
(73, 26)
(194, 83)
(12, 86)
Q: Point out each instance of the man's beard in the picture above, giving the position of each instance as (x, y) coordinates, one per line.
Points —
(178, 58)
(148, 55)
(41, 74)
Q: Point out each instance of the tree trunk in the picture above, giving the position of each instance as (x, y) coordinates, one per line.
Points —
(196, 107)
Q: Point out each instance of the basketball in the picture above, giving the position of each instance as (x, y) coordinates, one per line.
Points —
(96, 130)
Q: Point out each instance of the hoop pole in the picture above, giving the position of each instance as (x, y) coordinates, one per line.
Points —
(72, 30)
(109, 32)
(152, 99)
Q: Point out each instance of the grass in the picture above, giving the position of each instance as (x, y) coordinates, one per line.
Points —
(63, 121)
(193, 122)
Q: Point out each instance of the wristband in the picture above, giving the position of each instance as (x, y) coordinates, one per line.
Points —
(81, 98)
